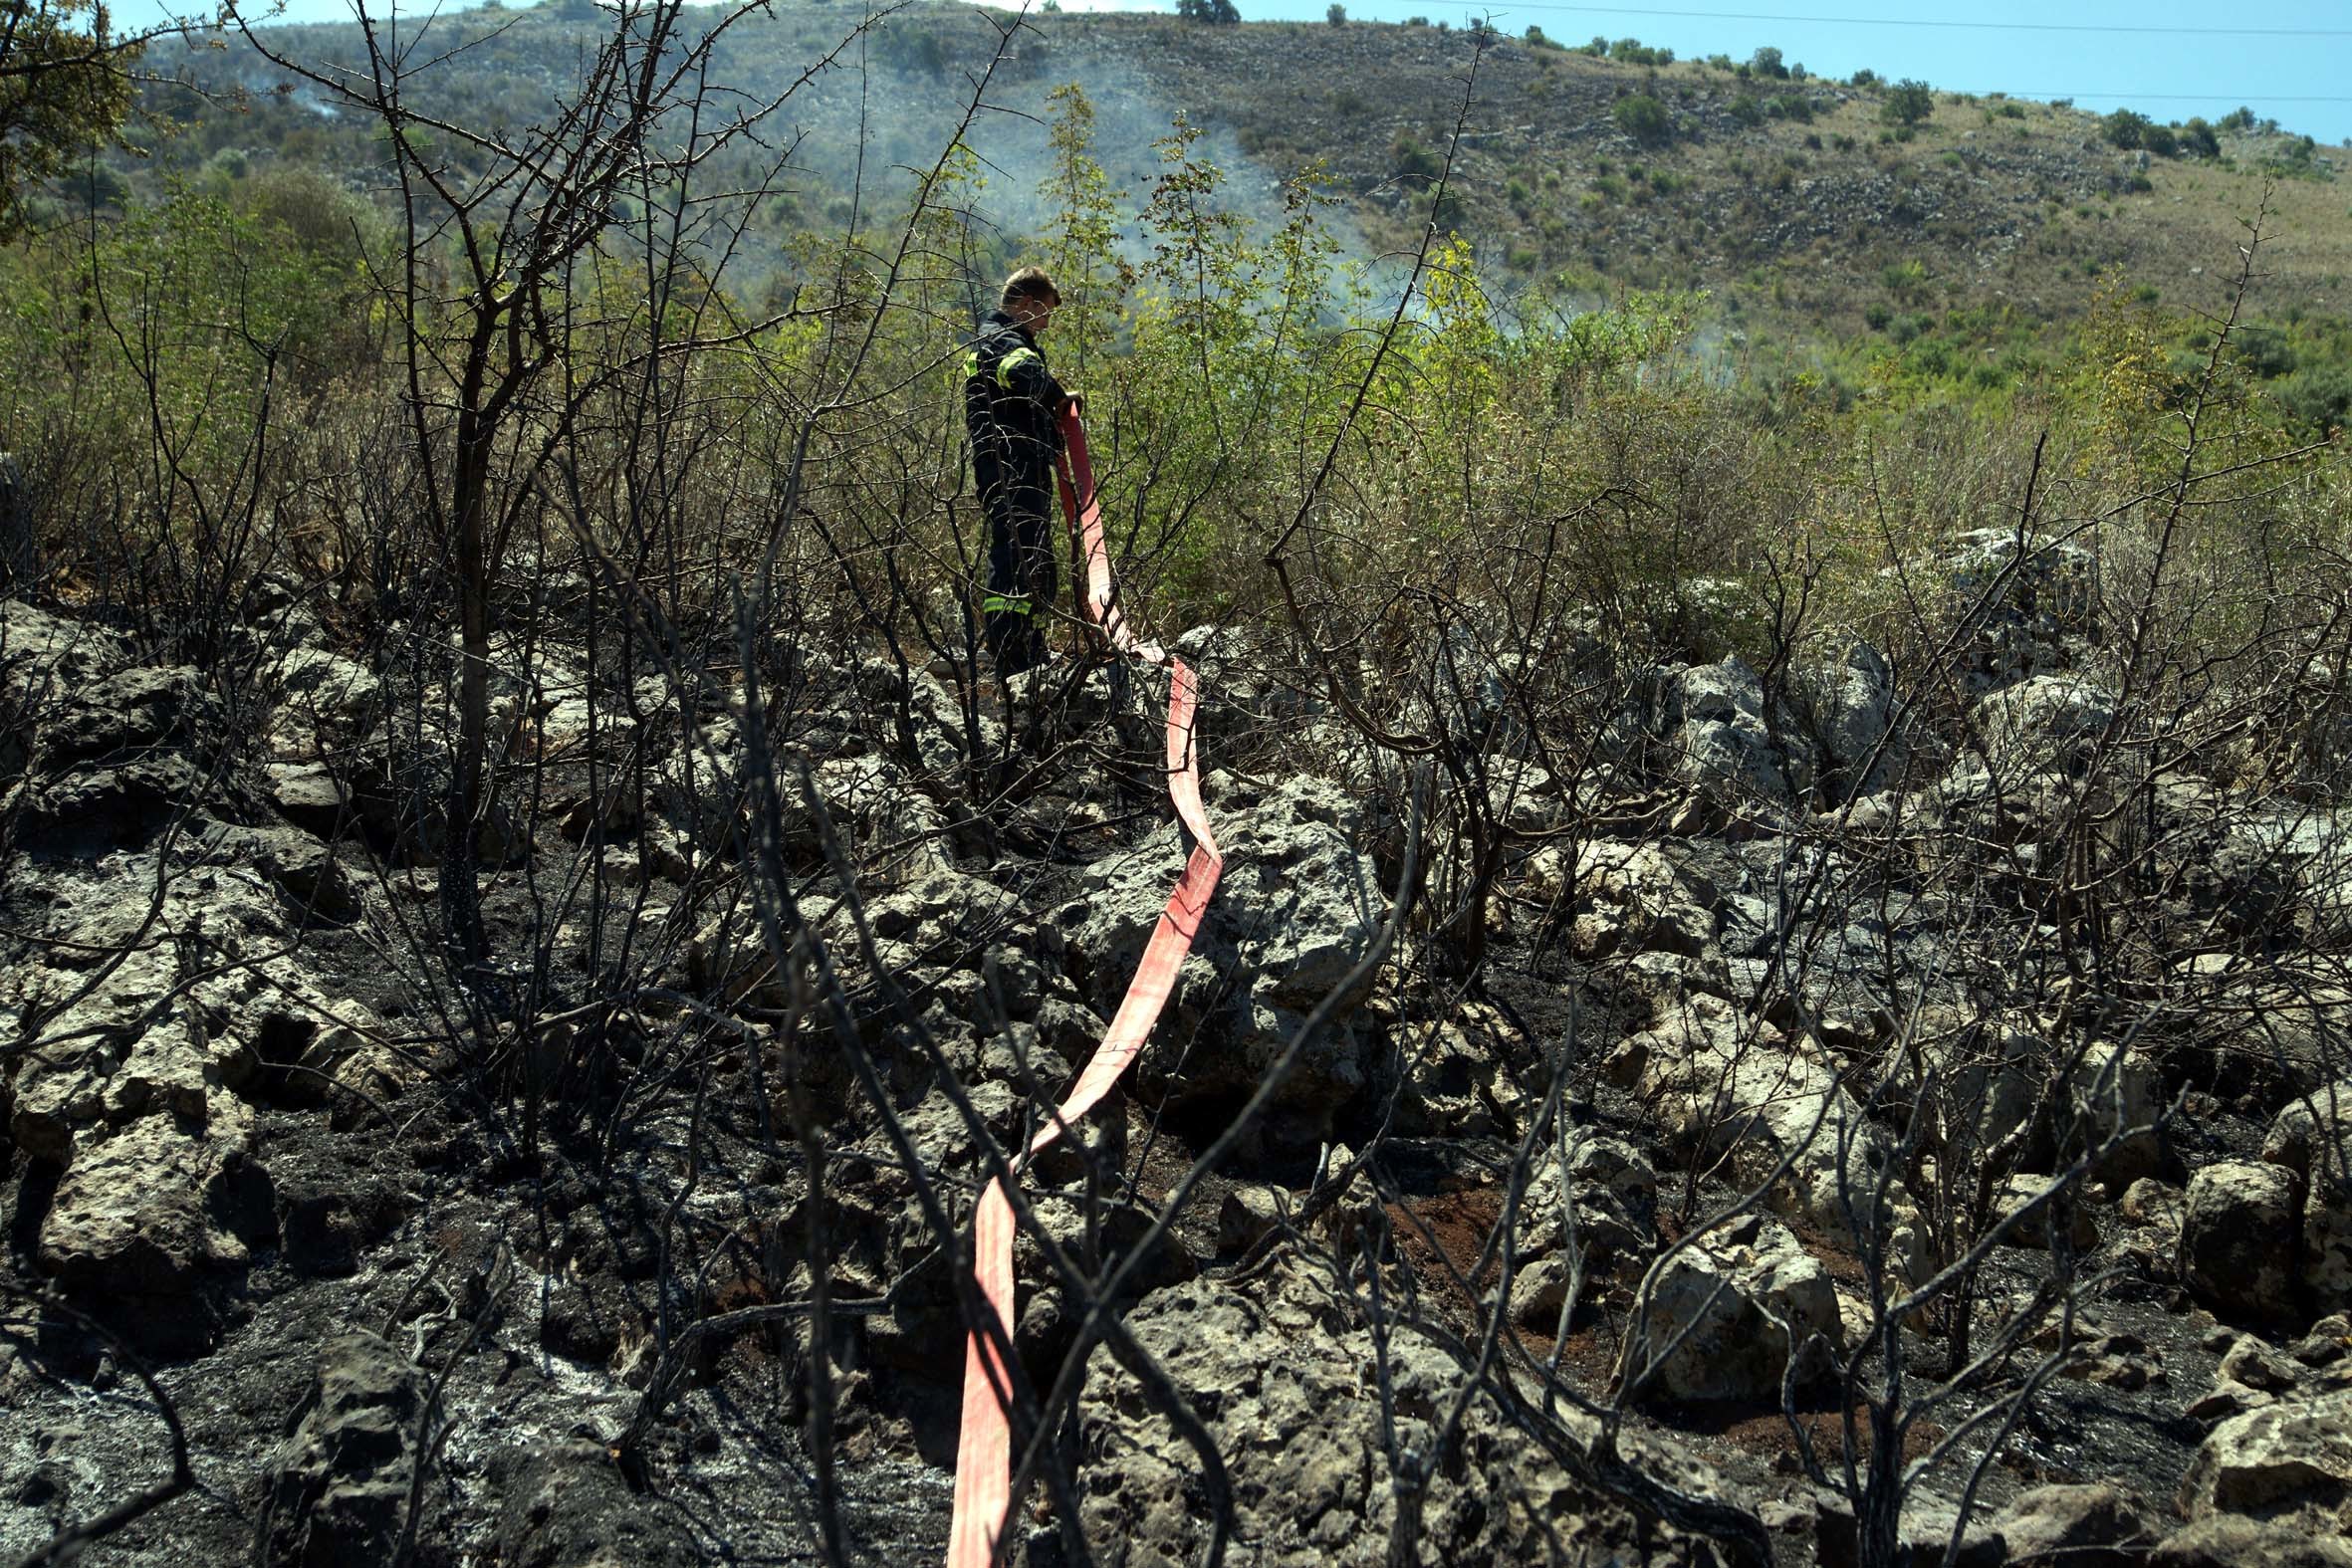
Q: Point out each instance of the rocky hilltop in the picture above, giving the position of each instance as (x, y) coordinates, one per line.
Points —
(1888, 1100)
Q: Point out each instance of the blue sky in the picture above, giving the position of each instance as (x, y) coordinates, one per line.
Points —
(2290, 60)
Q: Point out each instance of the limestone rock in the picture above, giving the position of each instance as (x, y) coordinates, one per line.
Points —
(1742, 1307)
(1723, 745)
(1613, 1194)
(1298, 906)
(2032, 604)
(1733, 1091)
(2289, 1456)
(309, 796)
(2018, 1228)
(328, 686)
(2042, 724)
(566, 1505)
(2254, 1365)
(1280, 1369)
(1458, 1080)
(2327, 1240)
(2232, 1541)
(113, 761)
(2112, 1097)
(1849, 707)
(43, 658)
(2094, 1526)
(1247, 1213)
(141, 1220)
(2239, 1237)
(2312, 1131)
(338, 1492)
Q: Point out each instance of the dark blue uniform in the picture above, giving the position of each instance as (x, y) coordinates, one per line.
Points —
(1012, 410)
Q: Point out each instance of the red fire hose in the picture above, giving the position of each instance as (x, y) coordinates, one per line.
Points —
(984, 1450)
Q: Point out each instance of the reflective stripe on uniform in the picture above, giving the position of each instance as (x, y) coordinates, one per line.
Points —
(1006, 605)
(971, 364)
(1012, 361)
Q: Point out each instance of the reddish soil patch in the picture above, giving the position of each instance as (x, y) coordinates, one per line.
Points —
(1440, 1237)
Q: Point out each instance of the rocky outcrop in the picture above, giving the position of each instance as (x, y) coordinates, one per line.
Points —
(2042, 724)
(1723, 745)
(1721, 1319)
(1284, 1376)
(338, 1492)
(2294, 1456)
(2229, 1540)
(1849, 707)
(114, 762)
(2088, 1526)
(1298, 906)
(2239, 1237)
(1602, 1216)
(2311, 1137)
(2029, 604)
(1767, 1112)
(566, 1505)
(137, 1079)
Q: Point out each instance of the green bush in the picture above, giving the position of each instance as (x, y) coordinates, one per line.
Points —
(1908, 103)
(1415, 161)
(1645, 119)
(2126, 129)
(2317, 399)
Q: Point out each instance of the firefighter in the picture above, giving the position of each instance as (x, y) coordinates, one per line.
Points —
(1012, 410)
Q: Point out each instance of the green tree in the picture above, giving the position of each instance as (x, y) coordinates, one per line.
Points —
(1765, 62)
(1908, 103)
(65, 86)
(2126, 129)
(1083, 241)
(1337, 15)
(1645, 119)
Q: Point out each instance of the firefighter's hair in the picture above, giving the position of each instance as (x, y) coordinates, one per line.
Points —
(1030, 282)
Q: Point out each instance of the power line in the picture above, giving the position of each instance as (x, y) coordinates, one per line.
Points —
(1995, 27)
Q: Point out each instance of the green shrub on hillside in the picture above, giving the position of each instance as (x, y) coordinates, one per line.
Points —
(1415, 161)
(1645, 119)
(1908, 103)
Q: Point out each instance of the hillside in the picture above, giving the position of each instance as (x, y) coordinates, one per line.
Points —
(1623, 922)
(1791, 201)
